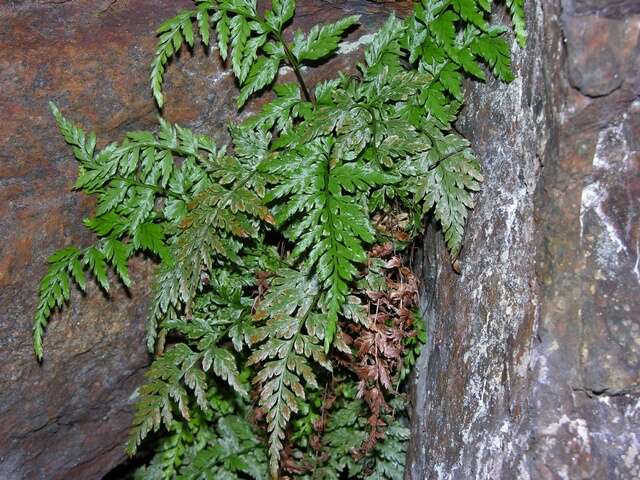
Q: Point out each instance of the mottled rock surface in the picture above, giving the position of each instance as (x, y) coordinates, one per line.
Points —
(68, 418)
(531, 371)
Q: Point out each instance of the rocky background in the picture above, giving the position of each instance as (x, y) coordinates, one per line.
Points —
(531, 370)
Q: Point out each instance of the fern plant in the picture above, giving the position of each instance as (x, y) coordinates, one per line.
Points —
(283, 319)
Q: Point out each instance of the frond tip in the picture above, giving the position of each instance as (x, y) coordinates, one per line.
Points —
(172, 34)
(54, 290)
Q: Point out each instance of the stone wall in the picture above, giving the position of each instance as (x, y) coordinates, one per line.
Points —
(532, 366)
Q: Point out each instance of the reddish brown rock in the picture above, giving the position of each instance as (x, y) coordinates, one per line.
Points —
(604, 8)
(68, 418)
(600, 51)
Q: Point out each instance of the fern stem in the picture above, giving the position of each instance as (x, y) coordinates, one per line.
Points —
(164, 146)
(293, 62)
(155, 188)
(296, 69)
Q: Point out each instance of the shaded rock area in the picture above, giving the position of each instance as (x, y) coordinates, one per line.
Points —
(69, 417)
(531, 371)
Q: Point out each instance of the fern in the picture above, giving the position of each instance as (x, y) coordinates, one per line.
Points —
(288, 305)
(283, 317)
(321, 41)
(445, 179)
(181, 370)
(217, 443)
(516, 7)
(236, 451)
(55, 290)
(335, 225)
(166, 385)
(172, 35)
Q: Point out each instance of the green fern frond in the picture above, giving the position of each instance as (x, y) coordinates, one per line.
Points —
(262, 73)
(385, 48)
(322, 40)
(172, 34)
(288, 240)
(54, 290)
(278, 113)
(452, 175)
(83, 144)
(283, 356)
(281, 12)
(241, 59)
(335, 224)
(516, 7)
(471, 12)
(234, 452)
(413, 345)
(388, 462)
(118, 254)
(166, 387)
(494, 50)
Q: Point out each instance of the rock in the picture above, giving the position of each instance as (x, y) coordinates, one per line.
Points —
(69, 418)
(597, 57)
(603, 8)
(531, 371)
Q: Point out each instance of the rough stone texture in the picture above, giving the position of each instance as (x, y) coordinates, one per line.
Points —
(532, 366)
(68, 418)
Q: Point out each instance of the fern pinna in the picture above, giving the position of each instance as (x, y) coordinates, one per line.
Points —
(283, 317)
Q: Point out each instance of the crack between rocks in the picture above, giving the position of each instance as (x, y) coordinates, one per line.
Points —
(593, 96)
(607, 392)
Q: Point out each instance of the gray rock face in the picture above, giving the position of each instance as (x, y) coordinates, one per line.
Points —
(532, 366)
(69, 418)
